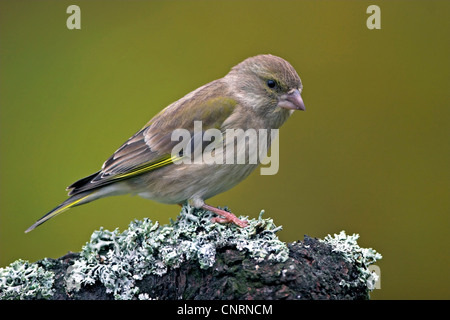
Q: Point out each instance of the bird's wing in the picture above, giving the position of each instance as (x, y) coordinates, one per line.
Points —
(151, 147)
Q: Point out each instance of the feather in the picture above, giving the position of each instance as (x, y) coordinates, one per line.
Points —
(150, 148)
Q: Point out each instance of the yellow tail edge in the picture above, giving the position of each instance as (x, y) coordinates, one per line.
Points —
(61, 208)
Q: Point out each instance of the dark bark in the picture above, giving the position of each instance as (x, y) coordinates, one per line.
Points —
(313, 271)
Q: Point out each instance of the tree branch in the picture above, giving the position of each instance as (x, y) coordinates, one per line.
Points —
(192, 258)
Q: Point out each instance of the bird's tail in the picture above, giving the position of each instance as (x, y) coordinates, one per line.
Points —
(75, 200)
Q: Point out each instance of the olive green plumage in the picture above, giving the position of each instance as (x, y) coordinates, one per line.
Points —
(259, 93)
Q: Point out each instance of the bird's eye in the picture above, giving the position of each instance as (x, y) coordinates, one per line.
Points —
(271, 84)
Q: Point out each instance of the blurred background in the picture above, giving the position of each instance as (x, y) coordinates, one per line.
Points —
(370, 155)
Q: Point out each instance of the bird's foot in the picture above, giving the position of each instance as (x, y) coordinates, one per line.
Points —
(228, 217)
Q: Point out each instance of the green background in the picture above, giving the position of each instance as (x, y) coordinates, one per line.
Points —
(370, 155)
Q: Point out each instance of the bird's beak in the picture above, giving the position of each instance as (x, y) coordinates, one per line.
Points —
(292, 100)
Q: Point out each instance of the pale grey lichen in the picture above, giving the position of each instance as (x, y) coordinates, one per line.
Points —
(119, 259)
(24, 280)
(362, 257)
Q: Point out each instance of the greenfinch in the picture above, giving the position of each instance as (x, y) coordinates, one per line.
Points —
(260, 93)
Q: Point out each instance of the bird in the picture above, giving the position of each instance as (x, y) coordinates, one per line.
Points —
(261, 92)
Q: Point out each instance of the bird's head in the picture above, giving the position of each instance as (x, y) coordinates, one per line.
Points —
(268, 84)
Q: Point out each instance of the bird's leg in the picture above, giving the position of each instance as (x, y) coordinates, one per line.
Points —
(227, 216)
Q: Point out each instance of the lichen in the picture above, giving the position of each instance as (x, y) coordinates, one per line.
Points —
(23, 280)
(362, 258)
(119, 259)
